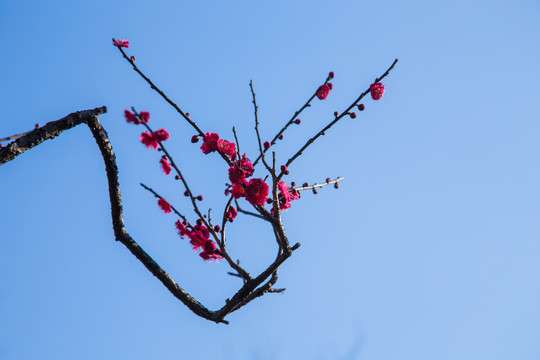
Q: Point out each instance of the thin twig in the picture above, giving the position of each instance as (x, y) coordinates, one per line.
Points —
(160, 92)
(255, 108)
(302, 188)
(248, 212)
(16, 136)
(161, 197)
(237, 142)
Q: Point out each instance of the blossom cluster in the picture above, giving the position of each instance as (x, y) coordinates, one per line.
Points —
(255, 191)
(212, 143)
(199, 237)
(286, 195)
(121, 43)
(152, 139)
(142, 118)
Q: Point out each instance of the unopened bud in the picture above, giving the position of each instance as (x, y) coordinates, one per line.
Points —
(199, 222)
(200, 198)
(186, 193)
(217, 228)
(331, 75)
(352, 115)
(283, 168)
(315, 191)
(328, 180)
(297, 121)
(280, 137)
(269, 201)
(188, 114)
(305, 185)
(177, 177)
(195, 139)
(267, 145)
(336, 113)
(293, 184)
(361, 107)
(336, 185)
(330, 85)
(133, 58)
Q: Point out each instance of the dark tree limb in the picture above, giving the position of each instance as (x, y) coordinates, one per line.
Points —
(49, 131)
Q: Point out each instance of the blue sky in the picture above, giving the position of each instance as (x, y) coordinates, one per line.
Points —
(429, 250)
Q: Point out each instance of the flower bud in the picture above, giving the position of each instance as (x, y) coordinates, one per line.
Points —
(200, 198)
(361, 107)
(352, 115)
(331, 75)
(297, 121)
(280, 137)
(267, 145)
(195, 139)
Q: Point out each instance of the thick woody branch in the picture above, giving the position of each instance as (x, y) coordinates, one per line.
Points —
(51, 130)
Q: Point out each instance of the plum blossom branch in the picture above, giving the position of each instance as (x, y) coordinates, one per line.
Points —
(337, 118)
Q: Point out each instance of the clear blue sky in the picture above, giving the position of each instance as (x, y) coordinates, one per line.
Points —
(429, 250)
